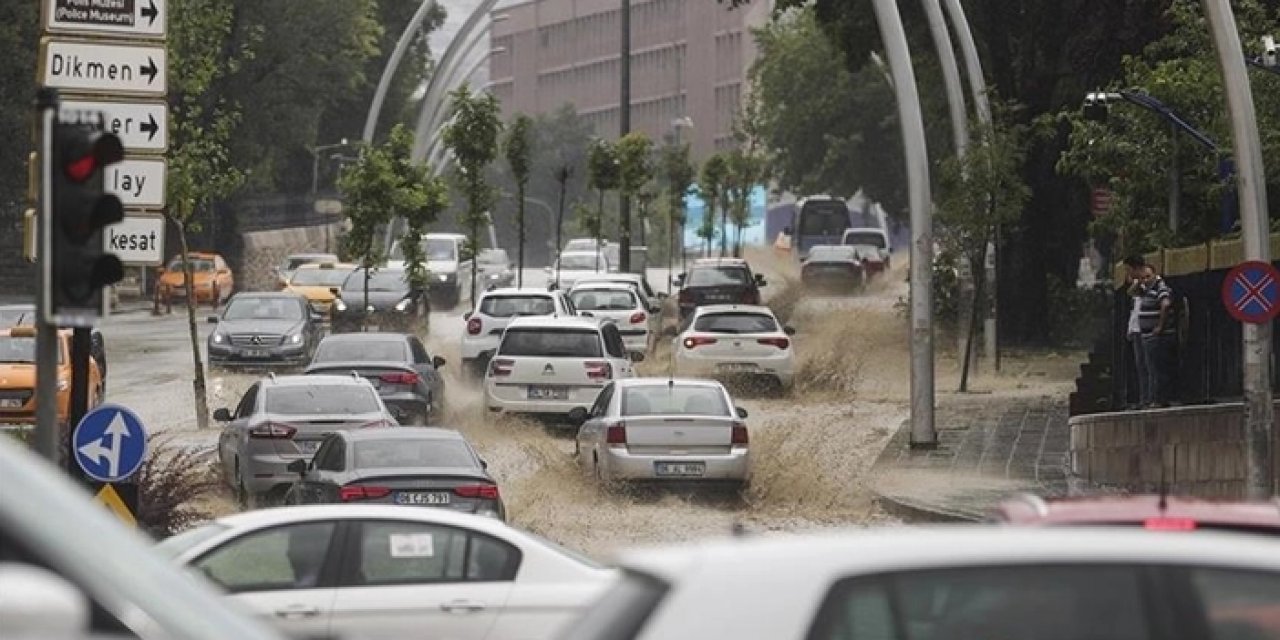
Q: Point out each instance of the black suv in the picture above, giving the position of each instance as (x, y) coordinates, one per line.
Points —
(718, 281)
(264, 329)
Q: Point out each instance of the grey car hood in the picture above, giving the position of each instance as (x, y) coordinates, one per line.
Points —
(263, 326)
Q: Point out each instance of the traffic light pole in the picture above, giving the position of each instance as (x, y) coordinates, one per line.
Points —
(47, 434)
(80, 347)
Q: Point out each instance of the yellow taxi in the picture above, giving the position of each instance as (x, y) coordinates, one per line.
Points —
(319, 283)
(213, 279)
(18, 376)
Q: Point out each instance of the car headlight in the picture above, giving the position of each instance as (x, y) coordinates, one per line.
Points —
(339, 304)
(218, 338)
(295, 338)
(442, 277)
(370, 309)
(403, 305)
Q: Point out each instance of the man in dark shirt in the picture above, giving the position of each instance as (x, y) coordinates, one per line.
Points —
(1156, 322)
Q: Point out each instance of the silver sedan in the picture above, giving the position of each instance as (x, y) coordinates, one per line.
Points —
(661, 429)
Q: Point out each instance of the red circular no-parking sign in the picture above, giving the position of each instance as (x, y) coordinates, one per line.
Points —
(1251, 292)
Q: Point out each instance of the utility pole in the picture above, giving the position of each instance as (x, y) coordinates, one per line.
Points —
(1252, 189)
(624, 127)
(48, 440)
(1175, 180)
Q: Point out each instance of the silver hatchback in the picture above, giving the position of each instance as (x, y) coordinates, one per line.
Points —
(284, 418)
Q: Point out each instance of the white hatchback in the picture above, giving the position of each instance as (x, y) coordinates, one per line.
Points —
(573, 265)
(735, 340)
(619, 303)
(555, 365)
(495, 310)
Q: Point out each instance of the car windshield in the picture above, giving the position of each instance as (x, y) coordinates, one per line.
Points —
(321, 399)
(735, 323)
(580, 244)
(603, 300)
(361, 351)
(255, 308)
(380, 280)
(14, 317)
(717, 276)
(319, 277)
(673, 399)
(494, 257)
(197, 264)
(293, 262)
(177, 544)
(400, 452)
(512, 306)
(588, 261)
(867, 238)
(17, 349)
(440, 249)
(551, 343)
(829, 253)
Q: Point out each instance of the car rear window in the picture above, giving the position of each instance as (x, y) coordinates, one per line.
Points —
(362, 351)
(512, 306)
(603, 300)
(868, 238)
(398, 452)
(735, 323)
(314, 400)
(552, 343)
(656, 400)
(717, 276)
(17, 349)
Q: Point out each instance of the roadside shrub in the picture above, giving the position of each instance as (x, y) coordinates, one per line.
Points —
(1077, 315)
(171, 485)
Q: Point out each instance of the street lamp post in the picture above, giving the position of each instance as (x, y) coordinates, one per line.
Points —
(679, 124)
(624, 127)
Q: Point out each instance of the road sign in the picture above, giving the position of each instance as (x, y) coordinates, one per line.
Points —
(1100, 201)
(130, 18)
(139, 182)
(1251, 292)
(109, 443)
(141, 126)
(136, 240)
(115, 68)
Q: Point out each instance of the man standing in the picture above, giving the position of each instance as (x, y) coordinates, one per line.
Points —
(1157, 323)
(1133, 271)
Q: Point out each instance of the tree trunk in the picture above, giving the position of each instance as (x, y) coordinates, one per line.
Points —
(520, 233)
(724, 231)
(198, 382)
(978, 292)
(599, 228)
(560, 223)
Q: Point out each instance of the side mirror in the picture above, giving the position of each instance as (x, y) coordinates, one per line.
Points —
(791, 331)
(299, 466)
(222, 415)
(742, 413)
(760, 281)
(335, 291)
(484, 464)
(438, 362)
(636, 356)
(212, 319)
(578, 416)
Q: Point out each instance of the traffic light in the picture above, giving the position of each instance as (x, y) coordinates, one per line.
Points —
(81, 208)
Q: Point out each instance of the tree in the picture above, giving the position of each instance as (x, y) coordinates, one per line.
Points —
(472, 136)
(603, 174)
(981, 192)
(201, 126)
(516, 148)
(419, 197)
(635, 167)
(711, 188)
(745, 170)
(369, 187)
(678, 172)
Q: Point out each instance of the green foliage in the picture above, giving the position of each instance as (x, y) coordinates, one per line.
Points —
(173, 485)
(1077, 316)
(711, 187)
(678, 173)
(745, 170)
(472, 136)
(603, 170)
(19, 33)
(588, 220)
(419, 199)
(635, 162)
(516, 148)
(984, 190)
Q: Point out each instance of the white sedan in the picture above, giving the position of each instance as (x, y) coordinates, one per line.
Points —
(573, 265)
(616, 301)
(737, 340)
(383, 571)
(666, 429)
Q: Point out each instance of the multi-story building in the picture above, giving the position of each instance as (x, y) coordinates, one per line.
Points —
(689, 62)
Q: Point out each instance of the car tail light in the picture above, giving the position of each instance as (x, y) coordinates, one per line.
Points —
(399, 377)
(1169, 524)
(473, 326)
(750, 297)
(353, 493)
(272, 430)
(481, 491)
(376, 424)
(638, 317)
(693, 342)
(781, 343)
(739, 434)
(499, 367)
(598, 370)
(616, 434)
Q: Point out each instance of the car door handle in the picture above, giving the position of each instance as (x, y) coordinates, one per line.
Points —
(463, 606)
(298, 611)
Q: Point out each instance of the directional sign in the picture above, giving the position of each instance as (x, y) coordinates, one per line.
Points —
(136, 240)
(139, 182)
(1251, 292)
(141, 126)
(117, 68)
(109, 443)
(132, 18)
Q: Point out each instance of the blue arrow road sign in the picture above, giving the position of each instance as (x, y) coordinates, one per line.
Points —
(109, 443)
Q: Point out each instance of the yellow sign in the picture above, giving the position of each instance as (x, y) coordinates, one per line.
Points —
(111, 499)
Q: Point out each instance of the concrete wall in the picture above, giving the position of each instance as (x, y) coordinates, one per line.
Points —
(1198, 451)
(266, 249)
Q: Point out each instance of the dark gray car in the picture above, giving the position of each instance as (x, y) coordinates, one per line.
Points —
(421, 467)
(397, 365)
(386, 301)
(264, 329)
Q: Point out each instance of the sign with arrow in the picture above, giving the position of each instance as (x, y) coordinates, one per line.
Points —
(117, 68)
(127, 18)
(138, 182)
(109, 443)
(141, 126)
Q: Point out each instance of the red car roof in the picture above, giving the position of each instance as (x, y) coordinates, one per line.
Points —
(1137, 510)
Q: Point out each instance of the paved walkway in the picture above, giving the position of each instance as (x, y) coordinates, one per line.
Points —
(989, 447)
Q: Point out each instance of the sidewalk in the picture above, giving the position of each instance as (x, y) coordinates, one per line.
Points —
(989, 447)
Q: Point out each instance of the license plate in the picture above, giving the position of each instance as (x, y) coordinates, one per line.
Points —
(548, 393)
(307, 446)
(680, 469)
(10, 403)
(737, 367)
(422, 497)
(254, 353)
